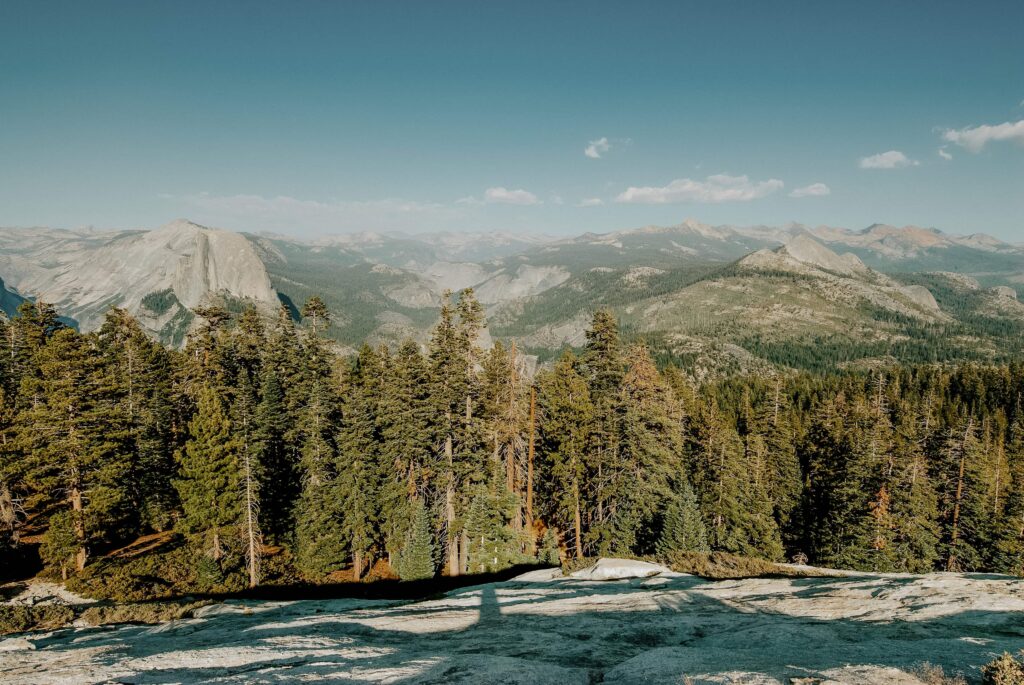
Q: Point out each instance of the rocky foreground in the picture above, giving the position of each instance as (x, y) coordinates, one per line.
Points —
(618, 622)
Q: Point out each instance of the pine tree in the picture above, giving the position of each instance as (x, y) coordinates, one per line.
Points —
(914, 501)
(358, 468)
(650, 456)
(278, 473)
(62, 542)
(403, 424)
(209, 479)
(319, 316)
(550, 553)
(566, 413)
(139, 372)
(1009, 545)
(416, 556)
(604, 368)
(782, 468)
(36, 323)
(249, 451)
(963, 516)
(454, 392)
(504, 411)
(830, 488)
(491, 542)
(320, 543)
(248, 343)
(73, 442)
(683, 529)
(734, 504)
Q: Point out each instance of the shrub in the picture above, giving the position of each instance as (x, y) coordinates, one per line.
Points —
(20, 619)
(1005, 670)
(145, 612)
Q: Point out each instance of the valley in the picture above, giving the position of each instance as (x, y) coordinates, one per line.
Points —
(719, 298)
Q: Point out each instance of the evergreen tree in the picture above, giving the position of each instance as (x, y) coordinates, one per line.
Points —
(566, 411)
(492, 544)
(278, 472)
(724, 486)
(73, 442)
(209, 478)
(782, 474)
(359, 475)
(1009, 552)
(604, 368)
(683, 529)
(963, 517)
(319, 316)
(249, 452)
(504, 411)
(914, 503)
(320, 543)
(549, 552)
(139, 373)
(454, 393)
(416, 557)
(403, 424)
(650, 456)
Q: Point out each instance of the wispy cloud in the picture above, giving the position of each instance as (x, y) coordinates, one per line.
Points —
(504, 196)
(813, 190)
(596, 148)
(975, 138)
(713, 189)
(945, 155)
(893, 159)
(590, 202)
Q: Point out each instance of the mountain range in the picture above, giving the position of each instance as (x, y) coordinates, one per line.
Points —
(720, 297)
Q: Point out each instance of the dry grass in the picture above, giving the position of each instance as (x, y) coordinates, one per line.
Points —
(933, 674)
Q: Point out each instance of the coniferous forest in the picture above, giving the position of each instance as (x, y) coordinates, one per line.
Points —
(257, 448)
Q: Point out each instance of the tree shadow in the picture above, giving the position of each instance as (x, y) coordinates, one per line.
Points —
(654, 630)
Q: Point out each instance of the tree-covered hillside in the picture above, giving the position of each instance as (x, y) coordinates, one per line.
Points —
(256, 455)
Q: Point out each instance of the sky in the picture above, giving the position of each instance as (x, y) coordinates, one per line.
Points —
(313, 118)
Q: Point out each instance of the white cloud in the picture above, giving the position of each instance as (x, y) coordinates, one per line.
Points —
(504, 196)
(813, 190)
(893, 159)
(714, 189)
(596, 148)
(293, 215)
(590, 202)
(975, 138)
(945, 155)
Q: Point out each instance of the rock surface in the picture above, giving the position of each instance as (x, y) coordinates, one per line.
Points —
(666, 628)
(84, 273)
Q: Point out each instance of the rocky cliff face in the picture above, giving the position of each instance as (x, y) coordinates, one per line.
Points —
(156, 275)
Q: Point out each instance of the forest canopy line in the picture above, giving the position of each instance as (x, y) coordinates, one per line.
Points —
(257, 441)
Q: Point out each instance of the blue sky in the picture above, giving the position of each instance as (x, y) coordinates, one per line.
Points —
(323, 117)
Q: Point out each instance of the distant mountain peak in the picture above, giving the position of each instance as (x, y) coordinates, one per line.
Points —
(805, 249)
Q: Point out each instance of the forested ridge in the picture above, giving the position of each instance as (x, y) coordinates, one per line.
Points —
(256, 442)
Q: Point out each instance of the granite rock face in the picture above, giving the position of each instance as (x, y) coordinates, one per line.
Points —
(156, 275)
(649, 626)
